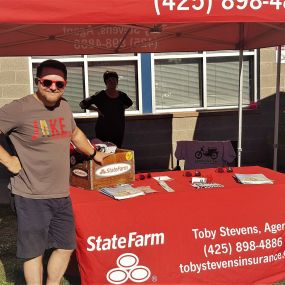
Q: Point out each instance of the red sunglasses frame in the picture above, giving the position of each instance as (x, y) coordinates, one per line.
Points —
(41, 80)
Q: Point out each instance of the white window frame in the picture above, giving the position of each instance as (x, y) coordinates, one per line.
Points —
(85, 59)
(203, 56)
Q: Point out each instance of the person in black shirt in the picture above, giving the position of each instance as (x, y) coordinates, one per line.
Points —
(110, 105)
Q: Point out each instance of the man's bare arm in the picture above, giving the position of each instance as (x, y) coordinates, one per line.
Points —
(83, 144)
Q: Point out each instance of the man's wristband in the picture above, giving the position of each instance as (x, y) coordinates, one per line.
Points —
(91, 156)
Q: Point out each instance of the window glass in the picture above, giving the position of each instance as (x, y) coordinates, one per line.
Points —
(179, 78)
(223, 81)
(127, 71)
(177, 83)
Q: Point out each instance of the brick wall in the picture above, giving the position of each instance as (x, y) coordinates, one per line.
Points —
(14, 76)
(268, 70)
(14, 83)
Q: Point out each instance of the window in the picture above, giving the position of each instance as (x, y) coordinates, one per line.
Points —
(127, 71)
(85, 77)
(223, 81)
(207, 80)
(177, 83)
(172, 82)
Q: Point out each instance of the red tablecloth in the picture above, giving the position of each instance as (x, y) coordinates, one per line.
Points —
(230, 235)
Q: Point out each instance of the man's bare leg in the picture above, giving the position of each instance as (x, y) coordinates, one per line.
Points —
(57, 265)
(33, 271)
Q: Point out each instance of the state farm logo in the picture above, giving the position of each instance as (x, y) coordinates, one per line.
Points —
(113, 169)
(128, 269)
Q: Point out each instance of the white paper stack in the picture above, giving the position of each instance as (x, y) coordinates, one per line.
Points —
(121, 192)
(253, 179)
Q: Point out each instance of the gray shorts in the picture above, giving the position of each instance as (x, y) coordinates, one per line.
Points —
(44, 224)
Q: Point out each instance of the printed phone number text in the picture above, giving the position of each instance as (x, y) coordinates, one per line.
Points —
(207, 5)
(244, 246)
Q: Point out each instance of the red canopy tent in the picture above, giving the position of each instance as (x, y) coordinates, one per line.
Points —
(58, 27)
(92, 26)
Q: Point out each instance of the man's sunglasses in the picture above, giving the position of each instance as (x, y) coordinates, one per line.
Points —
(48, 83)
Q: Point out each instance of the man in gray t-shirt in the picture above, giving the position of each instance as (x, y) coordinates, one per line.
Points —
(41, 126)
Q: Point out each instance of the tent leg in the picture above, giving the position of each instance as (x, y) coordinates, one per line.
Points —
(277, 99)
(239, 148)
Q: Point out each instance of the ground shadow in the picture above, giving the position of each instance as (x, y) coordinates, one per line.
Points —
(11, 268)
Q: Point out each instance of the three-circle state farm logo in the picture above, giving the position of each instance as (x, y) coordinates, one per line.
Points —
(128, 269)
(113, 169)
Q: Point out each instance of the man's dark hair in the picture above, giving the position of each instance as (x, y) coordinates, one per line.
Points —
(109, 74)
(53, 64)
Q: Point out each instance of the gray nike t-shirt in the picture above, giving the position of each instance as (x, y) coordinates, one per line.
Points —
(41, 137)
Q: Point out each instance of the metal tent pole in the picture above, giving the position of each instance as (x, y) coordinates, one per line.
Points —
(277, 103)
(240, 107)
(239, 148)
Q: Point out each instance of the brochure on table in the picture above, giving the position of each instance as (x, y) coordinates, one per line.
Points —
(121, 192)
(258, 178)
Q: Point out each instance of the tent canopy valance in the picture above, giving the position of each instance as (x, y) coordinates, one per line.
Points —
(127, 26)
